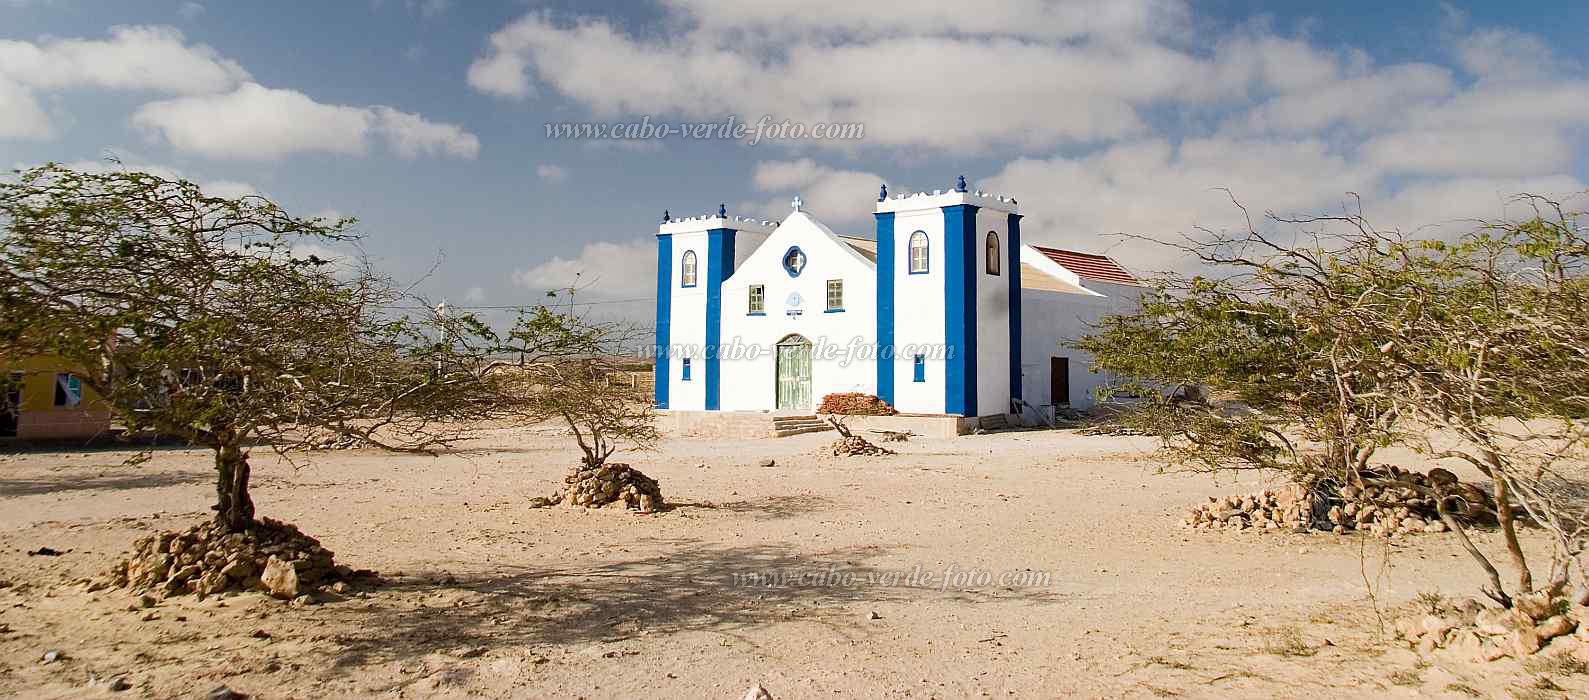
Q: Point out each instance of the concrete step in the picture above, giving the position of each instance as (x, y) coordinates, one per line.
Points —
(800, 429)
(780, 420)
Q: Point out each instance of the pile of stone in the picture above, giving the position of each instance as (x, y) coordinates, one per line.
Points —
(1534, 622)
(1265, 510)
(611, 484)
(857, 446)
(855, 404)
(1390, 502)
(205, 559)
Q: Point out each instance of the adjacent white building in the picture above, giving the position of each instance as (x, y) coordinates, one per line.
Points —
(944, 311)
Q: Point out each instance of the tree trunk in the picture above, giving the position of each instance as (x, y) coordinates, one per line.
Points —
(1503, 514)
(234, 510)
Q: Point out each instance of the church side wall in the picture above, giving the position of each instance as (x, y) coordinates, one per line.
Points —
(1051, 321)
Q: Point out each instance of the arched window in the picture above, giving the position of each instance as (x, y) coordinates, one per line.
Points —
(918, 252)
(687, 271)
(993, 253)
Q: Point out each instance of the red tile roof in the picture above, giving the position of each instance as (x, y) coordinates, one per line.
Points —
(1088, 266)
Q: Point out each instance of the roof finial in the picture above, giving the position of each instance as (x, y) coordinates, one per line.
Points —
(722, 210)
(666, 217)
(796, 203)
(882, 193)
(960, 184)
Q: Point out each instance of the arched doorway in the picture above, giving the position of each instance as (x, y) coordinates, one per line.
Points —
(794, 373)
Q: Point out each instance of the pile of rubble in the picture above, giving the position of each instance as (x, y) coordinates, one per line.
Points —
(1391, 502)
(206, 559)
(857, 446)
(855, 404)
(610, 484)
(1486, 634)
(1266, 510)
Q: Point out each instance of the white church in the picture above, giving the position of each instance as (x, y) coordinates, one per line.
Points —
(944, 312)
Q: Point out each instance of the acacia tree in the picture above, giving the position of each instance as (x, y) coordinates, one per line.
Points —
(1360, 338)
(569, 368)
(199, 317)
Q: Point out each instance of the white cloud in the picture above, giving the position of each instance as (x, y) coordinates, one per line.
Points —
(412, 135)
(1032, 75)
(1362, 101)
(602, 271)
(551, 173)
(1471, 151)
(1005, 88)
(1155, 189)
(21, 115)
(191, 11)
(1059, 19)
(230, 189)
(256, 122)
(836, 196)
(134, 58)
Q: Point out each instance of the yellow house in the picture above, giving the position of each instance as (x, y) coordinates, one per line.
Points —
(44, 400)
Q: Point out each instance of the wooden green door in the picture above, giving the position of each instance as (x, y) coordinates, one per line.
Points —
(794, 373)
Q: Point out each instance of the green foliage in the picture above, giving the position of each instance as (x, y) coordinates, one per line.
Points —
(198, 316)
(1320, 353)
(568, 369)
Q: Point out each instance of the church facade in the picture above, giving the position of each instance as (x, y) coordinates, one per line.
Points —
(944, 311)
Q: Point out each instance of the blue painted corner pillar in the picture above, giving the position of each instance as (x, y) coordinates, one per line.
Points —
(885, 306)
(960, 309)
(663, 350)
(1014, 267)
(719, 265)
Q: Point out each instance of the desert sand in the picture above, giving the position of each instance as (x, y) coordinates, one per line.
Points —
(1105, 593)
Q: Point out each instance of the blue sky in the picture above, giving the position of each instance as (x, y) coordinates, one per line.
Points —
(424, 118)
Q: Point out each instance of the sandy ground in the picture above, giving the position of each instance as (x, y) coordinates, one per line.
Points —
(487, 597)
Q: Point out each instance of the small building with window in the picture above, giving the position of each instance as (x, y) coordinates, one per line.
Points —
(43, 399)
(943, 310)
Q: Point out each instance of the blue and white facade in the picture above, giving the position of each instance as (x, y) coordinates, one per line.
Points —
(943, 310)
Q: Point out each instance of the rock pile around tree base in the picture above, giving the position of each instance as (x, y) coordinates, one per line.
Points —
(857, 446)
(1535, 623)
(205, 559)
(612, 484)
(1386, 510)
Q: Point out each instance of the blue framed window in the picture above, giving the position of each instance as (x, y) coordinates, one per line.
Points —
(918, 253)
(794, 261)
(687, 269)
(920, 369)
(686, 369)
(835, 295)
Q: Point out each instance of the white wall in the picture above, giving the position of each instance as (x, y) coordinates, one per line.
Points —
(749, 383)
(1050, 321)
(918, 312)
(687, 331)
